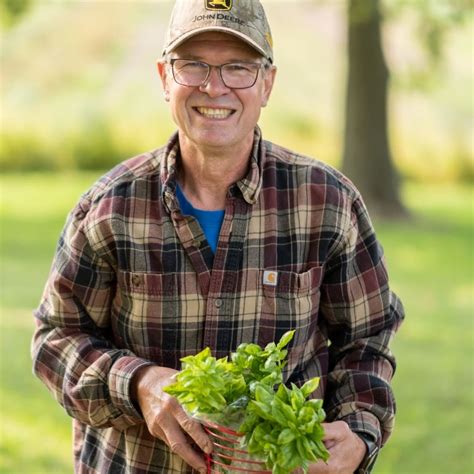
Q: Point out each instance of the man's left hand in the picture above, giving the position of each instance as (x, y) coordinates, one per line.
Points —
(346, 450)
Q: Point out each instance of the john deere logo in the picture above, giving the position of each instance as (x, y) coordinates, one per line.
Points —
(222, 5)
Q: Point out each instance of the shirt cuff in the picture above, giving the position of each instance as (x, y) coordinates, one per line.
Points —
(371, 455)
(120, 377)
(367, 427)
(365, 422)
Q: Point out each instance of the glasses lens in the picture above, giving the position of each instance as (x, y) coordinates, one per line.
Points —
(190, 73)
(235, 75)
(240, 75)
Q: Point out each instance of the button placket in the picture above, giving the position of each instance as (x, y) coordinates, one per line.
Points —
(137, 280)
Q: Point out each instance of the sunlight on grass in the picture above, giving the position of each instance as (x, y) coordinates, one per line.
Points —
(32, 446)
(430, 261)
(46, 199)
(35, 432)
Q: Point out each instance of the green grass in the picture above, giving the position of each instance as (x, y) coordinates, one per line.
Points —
(431, 266)
(35, 433)
(430, 260)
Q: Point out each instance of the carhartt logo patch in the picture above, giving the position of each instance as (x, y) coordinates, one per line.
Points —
(220, 5)
(270, 278)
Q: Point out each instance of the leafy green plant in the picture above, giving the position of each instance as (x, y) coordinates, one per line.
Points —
(281, 426)
(207, 385)
(261, 365)
(284, 429)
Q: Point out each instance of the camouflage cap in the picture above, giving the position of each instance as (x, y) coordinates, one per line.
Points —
(245, 19)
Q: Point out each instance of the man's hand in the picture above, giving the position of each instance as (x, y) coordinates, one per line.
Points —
(346, 449)
(166, 419)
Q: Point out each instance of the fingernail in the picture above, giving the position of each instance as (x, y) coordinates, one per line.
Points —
(208, 448)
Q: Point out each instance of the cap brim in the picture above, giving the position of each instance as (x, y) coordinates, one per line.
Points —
(181, 39)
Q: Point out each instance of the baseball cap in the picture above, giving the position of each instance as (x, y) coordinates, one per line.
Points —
(245, 19)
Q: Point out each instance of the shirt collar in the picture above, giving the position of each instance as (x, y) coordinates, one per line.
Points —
(251, 183)
(249, 186)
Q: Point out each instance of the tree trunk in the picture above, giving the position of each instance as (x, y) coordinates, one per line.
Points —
(367, 159)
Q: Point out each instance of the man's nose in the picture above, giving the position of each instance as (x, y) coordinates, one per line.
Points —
(214, 86)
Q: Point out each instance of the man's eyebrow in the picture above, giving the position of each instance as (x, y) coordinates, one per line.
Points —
(188, 56)
(193, 57)
(229, 61)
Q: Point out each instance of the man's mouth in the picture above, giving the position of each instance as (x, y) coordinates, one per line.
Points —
(214, 113)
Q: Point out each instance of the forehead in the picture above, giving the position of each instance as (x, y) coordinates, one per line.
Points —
(213, 42)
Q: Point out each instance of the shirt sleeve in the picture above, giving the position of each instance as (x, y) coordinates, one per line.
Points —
(71, 352)
(362, 315)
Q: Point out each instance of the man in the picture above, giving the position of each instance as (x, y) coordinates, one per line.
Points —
(215, 239)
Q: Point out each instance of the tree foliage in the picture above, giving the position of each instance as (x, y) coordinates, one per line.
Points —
(434, 20)
(12, 10)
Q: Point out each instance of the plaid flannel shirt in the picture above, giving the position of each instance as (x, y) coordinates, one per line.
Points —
(135, 282)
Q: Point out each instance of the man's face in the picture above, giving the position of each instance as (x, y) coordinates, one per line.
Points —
(213, 116)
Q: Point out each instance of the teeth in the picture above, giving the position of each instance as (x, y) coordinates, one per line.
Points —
(214, 113)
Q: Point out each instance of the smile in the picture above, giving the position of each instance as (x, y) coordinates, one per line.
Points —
(214, 113)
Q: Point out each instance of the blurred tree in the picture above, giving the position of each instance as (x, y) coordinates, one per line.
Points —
(367, 158)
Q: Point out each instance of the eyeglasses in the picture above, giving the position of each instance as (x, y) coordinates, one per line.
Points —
(241, 75)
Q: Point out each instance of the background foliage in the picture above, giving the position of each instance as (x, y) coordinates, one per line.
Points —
(79, 92)
(80, 89)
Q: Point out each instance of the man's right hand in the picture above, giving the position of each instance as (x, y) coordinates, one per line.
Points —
(165, 417)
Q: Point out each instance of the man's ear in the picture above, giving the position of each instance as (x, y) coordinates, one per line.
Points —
(163, 73)
(268, 81)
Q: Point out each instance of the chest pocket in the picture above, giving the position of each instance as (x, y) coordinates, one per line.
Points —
(289, 301)
(158, 315)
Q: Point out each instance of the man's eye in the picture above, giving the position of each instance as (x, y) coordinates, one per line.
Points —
(238, 67)
(193, 66)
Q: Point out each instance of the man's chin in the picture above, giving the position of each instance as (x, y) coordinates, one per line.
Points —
(216, 141)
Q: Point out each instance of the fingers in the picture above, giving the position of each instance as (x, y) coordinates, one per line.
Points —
(344, 447)
(320, 468)
(335, 430)
(167, 420)
(171, 424)
(194, 430)
(178, 443)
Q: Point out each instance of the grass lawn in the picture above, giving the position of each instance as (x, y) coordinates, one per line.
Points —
(430, 261)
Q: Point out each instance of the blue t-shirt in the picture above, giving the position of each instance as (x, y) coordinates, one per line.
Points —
(210, 221)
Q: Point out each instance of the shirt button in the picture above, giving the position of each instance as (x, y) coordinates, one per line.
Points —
(136, 280)
(218, 302)
(197, 243)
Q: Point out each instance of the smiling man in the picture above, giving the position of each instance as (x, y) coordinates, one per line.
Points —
(215, 239)
(216, 85)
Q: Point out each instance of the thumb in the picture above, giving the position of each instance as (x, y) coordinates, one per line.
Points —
(334, 432)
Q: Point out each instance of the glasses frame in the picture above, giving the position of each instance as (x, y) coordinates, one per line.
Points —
(172, 61)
